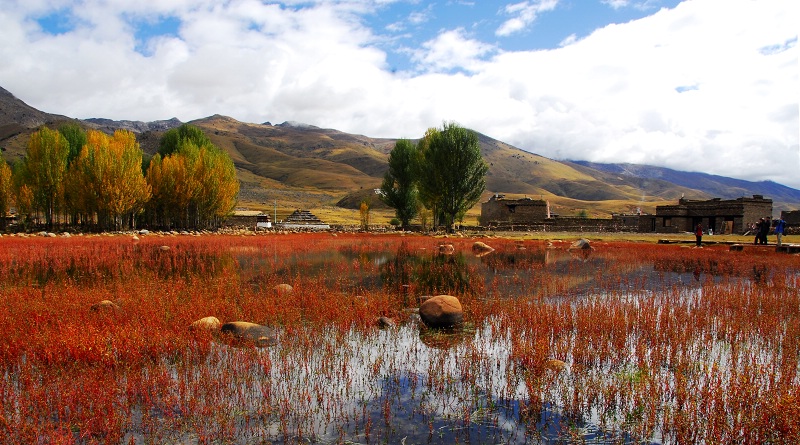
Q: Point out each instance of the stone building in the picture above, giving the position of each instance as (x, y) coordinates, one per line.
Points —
(792, 217)
(501, 211)
(719, 215)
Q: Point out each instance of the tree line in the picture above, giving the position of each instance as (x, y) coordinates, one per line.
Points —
(442, 174)
(74, 177)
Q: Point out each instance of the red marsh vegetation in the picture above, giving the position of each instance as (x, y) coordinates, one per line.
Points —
(623, 343)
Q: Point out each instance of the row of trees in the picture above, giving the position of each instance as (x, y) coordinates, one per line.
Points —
(89, 178)
(444, 173)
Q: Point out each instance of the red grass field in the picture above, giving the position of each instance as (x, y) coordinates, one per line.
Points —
(628, 343)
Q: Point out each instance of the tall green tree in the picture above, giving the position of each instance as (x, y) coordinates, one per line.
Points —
(43, 170)
(172, 140)
(399, 187)
(452, 174)
(76, 137)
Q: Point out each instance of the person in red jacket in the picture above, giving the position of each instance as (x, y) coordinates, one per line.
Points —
(698, 233)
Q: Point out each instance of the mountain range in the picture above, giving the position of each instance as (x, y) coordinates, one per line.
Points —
(295, 165)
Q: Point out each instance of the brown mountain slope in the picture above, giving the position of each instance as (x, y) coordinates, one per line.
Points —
(302, 166)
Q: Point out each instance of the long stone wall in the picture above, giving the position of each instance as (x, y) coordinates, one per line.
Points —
(574, 224)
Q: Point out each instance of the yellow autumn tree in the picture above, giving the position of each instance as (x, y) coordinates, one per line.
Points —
(109, 169)
(194, 183)
(219, 187)
(6, 191)
(44, 169)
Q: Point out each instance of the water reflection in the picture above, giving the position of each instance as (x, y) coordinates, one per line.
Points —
(430, 273)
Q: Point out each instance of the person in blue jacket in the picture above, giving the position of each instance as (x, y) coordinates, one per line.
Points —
(780, 229)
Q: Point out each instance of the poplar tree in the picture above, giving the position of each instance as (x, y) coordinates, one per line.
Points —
(5, 191)
(43, 170)
(108, 169)
(194, 183)
(399, 187)
(452, 174)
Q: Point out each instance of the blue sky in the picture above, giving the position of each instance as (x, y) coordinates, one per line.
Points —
(698, 85)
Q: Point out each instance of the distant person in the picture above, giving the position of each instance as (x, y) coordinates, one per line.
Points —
(763, 230)
(780, 229)
(698, 234)
(755, 229)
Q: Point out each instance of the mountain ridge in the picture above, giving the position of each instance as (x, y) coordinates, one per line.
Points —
(307, 166)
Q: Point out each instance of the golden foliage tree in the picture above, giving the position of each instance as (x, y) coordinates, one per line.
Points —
(6, 191)
(194, 183)
(44, 169)
(108, 171)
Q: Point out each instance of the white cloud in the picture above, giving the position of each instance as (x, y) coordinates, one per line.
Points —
(452, 50)
(524, 14)
(710, 85)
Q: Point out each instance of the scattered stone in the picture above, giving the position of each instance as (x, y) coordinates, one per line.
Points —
(164, 248)
(441, 311)
(480, 249)
(244, 331)
(134, 238)
(386, 322)
(555, 365)
(51, 235)
(446, 249)
(105, 305)
(283, 289)
(206, 324)
(582, 243)
(144, 232)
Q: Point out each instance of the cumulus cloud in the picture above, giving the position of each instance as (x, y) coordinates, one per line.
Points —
(710, 85)
(452, 50)
(524, 14)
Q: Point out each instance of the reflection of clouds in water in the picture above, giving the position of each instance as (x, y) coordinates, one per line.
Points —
(340, 382)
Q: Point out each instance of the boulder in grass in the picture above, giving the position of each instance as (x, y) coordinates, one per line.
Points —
(481, 249)
(555, 365)
(441, 311)
(446, 249)
(105, 306)
(246, 332)
(164, 248)
(580, 244)
(283, 289)
(210, 324)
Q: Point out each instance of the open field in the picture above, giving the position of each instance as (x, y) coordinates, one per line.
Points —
(627, 342)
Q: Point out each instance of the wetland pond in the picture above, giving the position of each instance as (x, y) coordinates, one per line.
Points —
(621, 343)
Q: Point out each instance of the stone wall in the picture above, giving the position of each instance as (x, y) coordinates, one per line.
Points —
(627, 223)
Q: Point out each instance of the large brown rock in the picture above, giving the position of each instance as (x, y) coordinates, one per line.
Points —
(441, 311)
(244, 331)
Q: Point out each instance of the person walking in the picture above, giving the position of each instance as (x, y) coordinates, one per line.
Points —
(698, 234)
(780, 229)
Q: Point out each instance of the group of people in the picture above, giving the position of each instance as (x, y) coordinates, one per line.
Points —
(761, 229)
